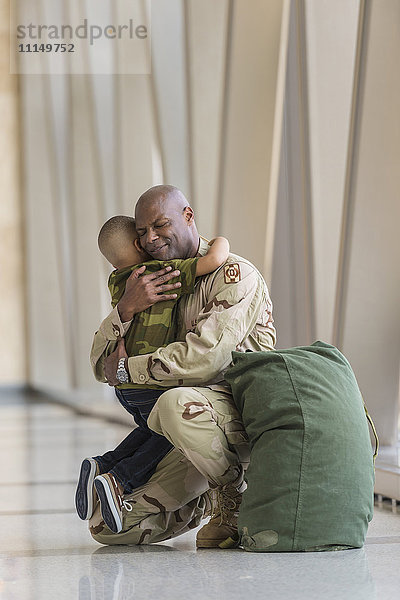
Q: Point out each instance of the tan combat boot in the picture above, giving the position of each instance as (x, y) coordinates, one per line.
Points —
(221, 531)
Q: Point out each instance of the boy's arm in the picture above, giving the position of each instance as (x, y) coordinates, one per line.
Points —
(141, 291)
(215, 257)
(231, 313)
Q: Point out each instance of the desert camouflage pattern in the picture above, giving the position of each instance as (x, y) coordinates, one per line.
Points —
(172, 502)
(230, 309)
(211, 449)
(206, 426)
(158, 325)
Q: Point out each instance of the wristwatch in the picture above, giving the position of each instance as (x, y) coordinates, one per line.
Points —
(122, 373)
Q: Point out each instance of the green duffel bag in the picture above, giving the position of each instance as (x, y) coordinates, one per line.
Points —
(311, 474)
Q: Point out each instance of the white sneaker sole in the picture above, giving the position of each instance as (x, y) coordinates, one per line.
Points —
(109, 510)
(85, 492)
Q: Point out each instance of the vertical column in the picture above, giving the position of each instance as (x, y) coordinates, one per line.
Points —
(331, 50)
(90, 207)
(367, 324)
(207, 25)
(137, 124)
(320, 70)
(293, 274)
(138, 138)
(253, 111)
(48, 348)
(12, 288)
(169, 79)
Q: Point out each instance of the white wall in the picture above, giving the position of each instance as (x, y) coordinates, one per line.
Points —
(335, 275)
(331, 29)
(368, 324)
(12, 289)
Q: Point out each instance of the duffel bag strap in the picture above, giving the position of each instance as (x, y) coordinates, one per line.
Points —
(370, 421)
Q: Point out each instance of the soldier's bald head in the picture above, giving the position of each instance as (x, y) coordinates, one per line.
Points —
(162, 193)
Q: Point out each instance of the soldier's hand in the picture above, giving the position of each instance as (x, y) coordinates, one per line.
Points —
(142, 291)
(111, 363)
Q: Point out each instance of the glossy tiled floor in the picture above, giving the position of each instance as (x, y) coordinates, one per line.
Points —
(46, 551)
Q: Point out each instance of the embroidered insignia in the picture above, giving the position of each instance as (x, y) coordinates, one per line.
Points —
(116, 330)
(232, 273)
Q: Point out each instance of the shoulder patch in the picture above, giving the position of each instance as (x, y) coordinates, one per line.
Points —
(232, 273)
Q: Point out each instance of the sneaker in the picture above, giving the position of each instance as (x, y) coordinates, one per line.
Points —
(221, 531)
(111, 501)
(85, 496)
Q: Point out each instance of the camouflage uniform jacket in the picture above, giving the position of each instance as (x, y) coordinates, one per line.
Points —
(157, 326)
(230, 309)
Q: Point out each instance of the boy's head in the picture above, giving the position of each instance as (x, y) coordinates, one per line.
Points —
(119, 243)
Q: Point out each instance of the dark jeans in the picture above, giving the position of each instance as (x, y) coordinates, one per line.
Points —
(134, 461)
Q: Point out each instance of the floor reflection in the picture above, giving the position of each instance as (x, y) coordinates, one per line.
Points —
(121, 573)
(46, 551)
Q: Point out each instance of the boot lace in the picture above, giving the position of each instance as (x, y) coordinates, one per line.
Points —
(223, 505)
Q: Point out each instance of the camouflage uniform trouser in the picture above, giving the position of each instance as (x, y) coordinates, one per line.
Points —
(208, 435)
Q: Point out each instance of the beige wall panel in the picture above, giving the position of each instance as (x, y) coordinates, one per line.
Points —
(331, 42)
(137, 138)
(48, 355)
(207, 23)
(370, 321)
(282, 285)
(103, 111)
(292, 274)
(251, 126)
(170, 87)
(137, 141)
(90, 270)
(12, 287)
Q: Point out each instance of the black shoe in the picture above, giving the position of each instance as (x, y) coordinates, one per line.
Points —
(85, 496)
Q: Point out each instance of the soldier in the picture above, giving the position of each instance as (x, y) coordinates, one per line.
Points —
(230, 309)
(118, 472)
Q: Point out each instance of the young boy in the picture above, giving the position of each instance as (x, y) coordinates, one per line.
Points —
(132, 463)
